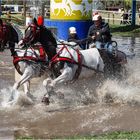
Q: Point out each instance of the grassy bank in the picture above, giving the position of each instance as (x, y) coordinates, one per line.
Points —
(125, 30)
(112, 136)
(108, 136)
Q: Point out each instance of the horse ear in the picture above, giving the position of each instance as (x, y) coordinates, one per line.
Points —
(35, 21)
(1, 22)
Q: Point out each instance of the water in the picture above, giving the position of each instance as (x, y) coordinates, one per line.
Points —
(89, 106)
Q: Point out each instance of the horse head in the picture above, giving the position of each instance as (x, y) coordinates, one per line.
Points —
(38, 33)
(32, 33)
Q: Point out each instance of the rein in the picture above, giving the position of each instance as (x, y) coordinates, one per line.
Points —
(56, 58)
(91, 68)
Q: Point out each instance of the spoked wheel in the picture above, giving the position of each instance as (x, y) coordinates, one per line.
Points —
(108, 68)
(113, 68)
(120, 71)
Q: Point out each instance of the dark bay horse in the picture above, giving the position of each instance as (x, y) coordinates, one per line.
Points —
(66, 63)
(28, 62)
(8, 35)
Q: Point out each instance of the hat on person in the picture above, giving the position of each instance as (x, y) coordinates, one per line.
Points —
(96, 17)
(72, 30)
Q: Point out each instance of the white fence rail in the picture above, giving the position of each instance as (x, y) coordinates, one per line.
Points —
(115, 17)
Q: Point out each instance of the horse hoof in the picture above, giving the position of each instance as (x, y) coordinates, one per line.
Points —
(46, 100)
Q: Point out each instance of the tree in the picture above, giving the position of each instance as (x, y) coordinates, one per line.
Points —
(127, 3)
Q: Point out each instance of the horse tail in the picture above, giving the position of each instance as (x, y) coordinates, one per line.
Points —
(18, 30)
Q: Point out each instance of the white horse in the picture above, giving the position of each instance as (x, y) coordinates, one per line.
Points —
(29, 63)
(79, 64)
(67, 63)
(10, 35)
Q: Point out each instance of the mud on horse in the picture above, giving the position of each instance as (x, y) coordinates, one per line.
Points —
(28, 62)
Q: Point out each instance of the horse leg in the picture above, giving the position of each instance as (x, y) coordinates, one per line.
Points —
(47, 94)
(66, 75)
(27, 90)
(24, 78)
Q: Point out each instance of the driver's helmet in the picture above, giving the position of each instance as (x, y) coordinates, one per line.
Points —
(97, 19)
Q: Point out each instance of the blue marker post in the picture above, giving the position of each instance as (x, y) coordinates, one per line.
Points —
(133, 22)
(0, 9)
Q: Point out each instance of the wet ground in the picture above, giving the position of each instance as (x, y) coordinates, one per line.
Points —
(89, 107)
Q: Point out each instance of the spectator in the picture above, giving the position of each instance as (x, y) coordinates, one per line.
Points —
(129, 16)
(124, 17)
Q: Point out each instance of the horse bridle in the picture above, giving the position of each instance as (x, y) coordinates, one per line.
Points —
(36, 31)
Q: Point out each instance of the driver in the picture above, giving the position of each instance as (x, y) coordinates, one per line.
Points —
(100, 33)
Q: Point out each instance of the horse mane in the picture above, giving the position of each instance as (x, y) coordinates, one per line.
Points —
(49, 37)
(48, 40)
(19, 32)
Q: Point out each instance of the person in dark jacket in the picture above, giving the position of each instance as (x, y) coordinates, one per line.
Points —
(100, 33)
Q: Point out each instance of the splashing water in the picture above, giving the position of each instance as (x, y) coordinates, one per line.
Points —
(125, 91)
(84, 107)
(86, 91)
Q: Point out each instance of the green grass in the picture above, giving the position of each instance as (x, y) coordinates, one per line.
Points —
(106, 136)
(110, 136)
(125, 30)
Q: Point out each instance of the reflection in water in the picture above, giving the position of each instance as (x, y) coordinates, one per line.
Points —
(89, 106)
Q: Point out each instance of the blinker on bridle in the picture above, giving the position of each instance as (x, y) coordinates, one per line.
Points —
(35, 30)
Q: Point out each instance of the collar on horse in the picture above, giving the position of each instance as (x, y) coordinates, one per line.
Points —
(36, 58)
(35, 30)
(25, 57)
(71, 60)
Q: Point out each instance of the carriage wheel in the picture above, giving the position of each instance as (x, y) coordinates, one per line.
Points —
(108, 68)
(120, 71)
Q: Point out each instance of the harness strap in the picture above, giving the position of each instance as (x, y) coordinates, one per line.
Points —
(79, 69)
(17, 59)
(56, 59)
(33, 50)
(53, 59)
(42, 56)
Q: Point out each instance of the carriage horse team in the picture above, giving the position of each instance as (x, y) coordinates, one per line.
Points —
(39, 52)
